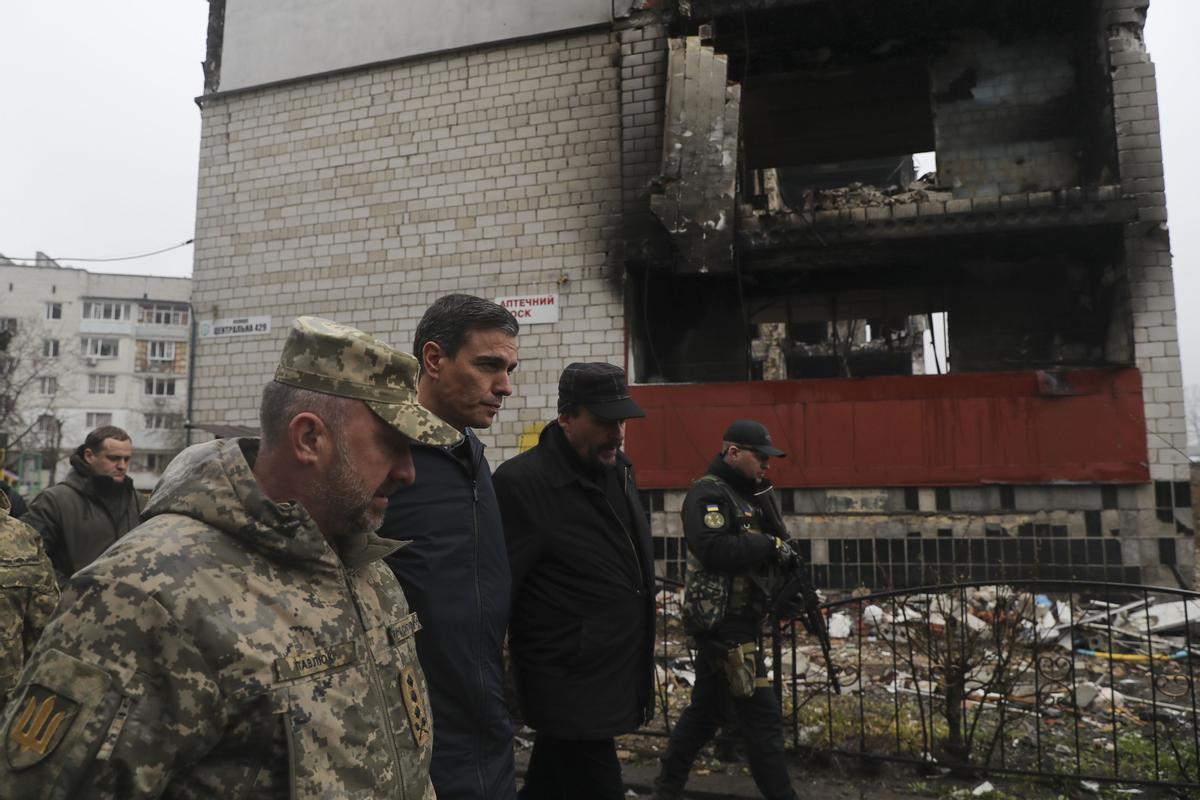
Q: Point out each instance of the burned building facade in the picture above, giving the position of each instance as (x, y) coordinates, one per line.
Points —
(924, 241)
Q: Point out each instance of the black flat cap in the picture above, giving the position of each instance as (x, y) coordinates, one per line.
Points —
(598, 387)
(751, 435)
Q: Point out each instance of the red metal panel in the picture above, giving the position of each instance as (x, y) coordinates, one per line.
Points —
(927, 430)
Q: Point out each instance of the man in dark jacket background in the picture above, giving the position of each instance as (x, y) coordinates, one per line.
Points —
(455, 569)
(582, 627)
(96, 504)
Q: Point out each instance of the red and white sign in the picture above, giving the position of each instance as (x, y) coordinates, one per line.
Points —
(532, 309)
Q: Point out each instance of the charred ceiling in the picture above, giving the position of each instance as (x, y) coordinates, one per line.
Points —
(873, 154)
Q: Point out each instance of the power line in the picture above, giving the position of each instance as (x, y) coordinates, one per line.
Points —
(101, 260)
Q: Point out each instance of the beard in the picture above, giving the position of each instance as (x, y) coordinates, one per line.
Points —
(603, 454)
(350, 499)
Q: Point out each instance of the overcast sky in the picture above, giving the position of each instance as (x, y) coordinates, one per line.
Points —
(99, 135)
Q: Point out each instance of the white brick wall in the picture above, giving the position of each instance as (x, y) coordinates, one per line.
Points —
(1147, 246)
(364, 197)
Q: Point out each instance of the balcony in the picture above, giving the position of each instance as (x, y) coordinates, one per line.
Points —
(150, 331)
(106, 327)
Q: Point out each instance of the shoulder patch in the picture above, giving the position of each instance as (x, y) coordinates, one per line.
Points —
(414, 705)
(39, 727)
(713, 518)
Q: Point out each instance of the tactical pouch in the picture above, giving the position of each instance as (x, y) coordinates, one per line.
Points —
(740, 669)
(705, 598)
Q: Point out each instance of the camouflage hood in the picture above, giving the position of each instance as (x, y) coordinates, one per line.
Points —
(213, 483)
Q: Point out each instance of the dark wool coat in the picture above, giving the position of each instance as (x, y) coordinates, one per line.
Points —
(582, 627)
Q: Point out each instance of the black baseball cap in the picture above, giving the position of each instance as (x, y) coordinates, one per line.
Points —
(598, 387)
(751, 435)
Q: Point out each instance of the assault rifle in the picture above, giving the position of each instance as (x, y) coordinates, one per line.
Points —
(793, 596)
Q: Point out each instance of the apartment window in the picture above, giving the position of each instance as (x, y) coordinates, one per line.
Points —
(162, 422)
(53, 310)
(93, 309)
(47, 425)
(162, 351)
(48, 386)
(97, 418)
(154, 462)
(163, 315)
(7, 364)
(160, 386)
(97, 347)
(8, 325)
(102, 384)
(50, 348)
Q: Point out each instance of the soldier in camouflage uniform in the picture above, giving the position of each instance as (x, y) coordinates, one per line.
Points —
(247, 640)
(730, 571)
(28, 595)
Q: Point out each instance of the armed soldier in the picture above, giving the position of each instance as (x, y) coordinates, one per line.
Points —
(731, 564)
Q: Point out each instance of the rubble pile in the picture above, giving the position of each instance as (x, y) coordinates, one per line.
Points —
(1051, 681)
(859, 195)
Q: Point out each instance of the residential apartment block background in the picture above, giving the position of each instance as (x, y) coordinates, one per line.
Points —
(724, 197)
(89, 349)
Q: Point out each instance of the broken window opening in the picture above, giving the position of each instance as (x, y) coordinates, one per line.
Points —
(853, 348)
(1038, 300)
(935, 345)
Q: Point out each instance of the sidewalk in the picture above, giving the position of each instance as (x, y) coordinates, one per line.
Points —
(639, 783)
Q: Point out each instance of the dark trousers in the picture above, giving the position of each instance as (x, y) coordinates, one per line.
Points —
(759, 721)
(562, 769)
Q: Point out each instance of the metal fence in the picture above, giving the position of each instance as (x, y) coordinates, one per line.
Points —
(1065, 679)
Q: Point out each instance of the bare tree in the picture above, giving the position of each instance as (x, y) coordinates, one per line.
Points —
(34, 367)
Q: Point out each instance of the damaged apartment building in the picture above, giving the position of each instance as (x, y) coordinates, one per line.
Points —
(924, 241)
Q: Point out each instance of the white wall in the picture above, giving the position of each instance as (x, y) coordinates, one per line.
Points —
(274, 40)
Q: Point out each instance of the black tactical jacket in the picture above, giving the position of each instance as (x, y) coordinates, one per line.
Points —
(722, 524)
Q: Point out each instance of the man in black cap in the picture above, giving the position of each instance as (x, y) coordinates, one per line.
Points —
(735, 536)
(581, 632)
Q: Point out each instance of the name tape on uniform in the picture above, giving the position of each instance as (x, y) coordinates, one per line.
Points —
(311, 662)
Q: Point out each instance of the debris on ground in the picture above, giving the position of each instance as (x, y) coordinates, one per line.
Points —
(1058, 677)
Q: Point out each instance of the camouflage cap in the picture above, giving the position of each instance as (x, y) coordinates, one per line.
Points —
(325, 356)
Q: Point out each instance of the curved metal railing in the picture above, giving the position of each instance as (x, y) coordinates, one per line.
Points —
(1062, 679)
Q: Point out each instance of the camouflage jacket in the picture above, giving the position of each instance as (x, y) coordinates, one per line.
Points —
(224, 649)
(28, 595)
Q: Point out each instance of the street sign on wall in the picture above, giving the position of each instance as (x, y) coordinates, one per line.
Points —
(532, 309)
(235, 326)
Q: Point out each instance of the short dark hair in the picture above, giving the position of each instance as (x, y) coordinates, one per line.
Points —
(95, 439)
(450, 319)
(281, 402)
